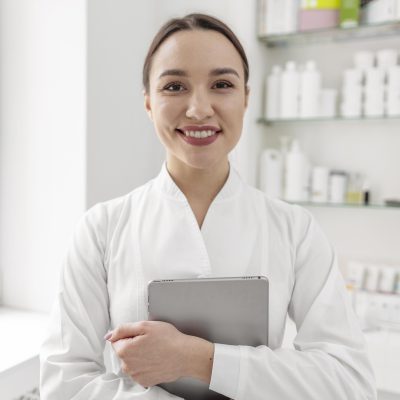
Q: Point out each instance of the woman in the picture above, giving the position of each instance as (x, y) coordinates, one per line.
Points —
(197, 218)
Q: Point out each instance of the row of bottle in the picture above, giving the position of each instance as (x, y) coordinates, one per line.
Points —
(289, 175)
(380, 278)
(372, 87)
(375, 294)
(289, 16)
(296, 92)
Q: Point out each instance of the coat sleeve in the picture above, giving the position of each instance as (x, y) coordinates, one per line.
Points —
(329, 359)
(71, 356)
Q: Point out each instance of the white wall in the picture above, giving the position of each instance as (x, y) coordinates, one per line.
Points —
(371, 147)
(42, 148)
(123, 151)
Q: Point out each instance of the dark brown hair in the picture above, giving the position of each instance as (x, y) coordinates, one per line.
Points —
(191, 22)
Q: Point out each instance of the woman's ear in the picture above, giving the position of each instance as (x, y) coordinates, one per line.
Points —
(147, 105)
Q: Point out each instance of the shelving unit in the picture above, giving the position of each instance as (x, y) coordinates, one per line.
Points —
(265, 121)
(332, 35)
(349, 205)
(336, 36)
(357, 231)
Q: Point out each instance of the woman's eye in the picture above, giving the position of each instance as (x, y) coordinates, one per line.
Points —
(173, 87)
(178, 87)
(224, 85)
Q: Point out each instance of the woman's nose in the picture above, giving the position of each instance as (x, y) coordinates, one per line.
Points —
(199, 107)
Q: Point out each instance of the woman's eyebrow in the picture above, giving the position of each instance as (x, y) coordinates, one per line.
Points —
(213, 72)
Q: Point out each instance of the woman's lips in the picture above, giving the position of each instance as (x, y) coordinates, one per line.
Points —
(198, 141)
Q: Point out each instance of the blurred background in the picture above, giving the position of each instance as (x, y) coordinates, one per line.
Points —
(322, 129)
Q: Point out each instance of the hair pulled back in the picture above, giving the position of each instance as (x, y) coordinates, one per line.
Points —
(188, 23)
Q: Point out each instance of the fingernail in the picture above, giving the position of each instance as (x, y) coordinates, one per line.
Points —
(109, 334)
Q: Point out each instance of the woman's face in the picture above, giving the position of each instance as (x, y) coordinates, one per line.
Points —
(197, 88)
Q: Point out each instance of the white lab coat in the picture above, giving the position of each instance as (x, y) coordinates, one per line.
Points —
(151, 233)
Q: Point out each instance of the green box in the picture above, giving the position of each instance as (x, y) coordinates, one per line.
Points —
(349, 13)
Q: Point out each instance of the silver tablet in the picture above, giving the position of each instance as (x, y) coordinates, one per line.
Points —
(230, 311)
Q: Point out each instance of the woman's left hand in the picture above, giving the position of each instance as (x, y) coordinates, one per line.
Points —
(154, 352)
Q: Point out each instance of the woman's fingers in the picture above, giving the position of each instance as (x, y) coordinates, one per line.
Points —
(128, 330)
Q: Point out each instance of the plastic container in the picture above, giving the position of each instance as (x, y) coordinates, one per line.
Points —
(386, 58)
(354, 193)
(272, 93)
(387, 280)
(271, 173)
(319, 185)
(353, 76)
(356, 274)
(374, 104)
(289, 99)
(374, 93)
(327, 103)
(397, 284)
(378, 11)
(392, 105)
(296, 174)
(352, 101)
(337, 187)
(364, 60)
(352, 91)
(310, 91)
(372, 278)
(374, 77)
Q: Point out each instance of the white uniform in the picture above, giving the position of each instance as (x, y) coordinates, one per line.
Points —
(152, 233)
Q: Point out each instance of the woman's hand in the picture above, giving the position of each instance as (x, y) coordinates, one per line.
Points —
(154, 352)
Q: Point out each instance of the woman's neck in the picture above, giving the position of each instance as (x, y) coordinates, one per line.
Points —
(198, 185)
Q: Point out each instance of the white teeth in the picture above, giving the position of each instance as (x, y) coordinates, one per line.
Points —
(199, 134)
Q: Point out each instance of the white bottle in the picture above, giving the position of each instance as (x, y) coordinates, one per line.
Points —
(364, 60)
(289, 101)
(352, 93)
(310, 89)
(374, 93)
(319, 184)
(392, 106)
(291, 15)
(297, 174)
(337, 187)
(386, 58)
(272, 93)
(327, 103)
(271, 173)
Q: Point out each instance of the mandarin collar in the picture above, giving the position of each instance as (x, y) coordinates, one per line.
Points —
(166, 185)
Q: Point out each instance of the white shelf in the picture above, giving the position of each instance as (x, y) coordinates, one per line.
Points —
(270, 122)
(333, 35)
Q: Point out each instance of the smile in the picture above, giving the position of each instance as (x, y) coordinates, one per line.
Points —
(199, 134)
(199, 138)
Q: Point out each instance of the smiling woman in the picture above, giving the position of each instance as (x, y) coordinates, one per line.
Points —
(198, 218)
(196, 93)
